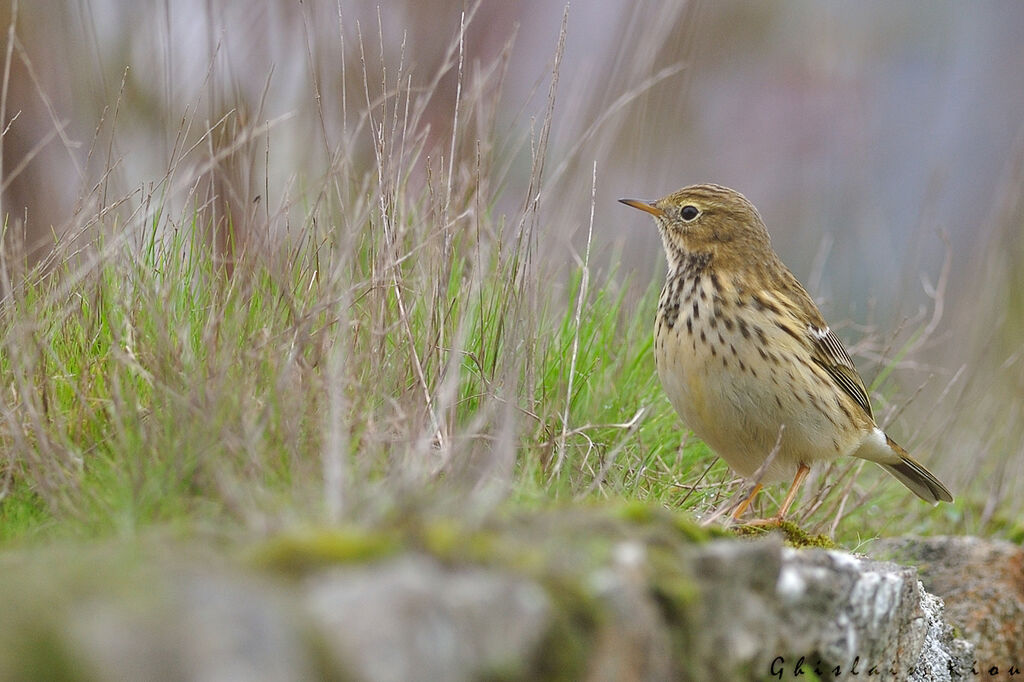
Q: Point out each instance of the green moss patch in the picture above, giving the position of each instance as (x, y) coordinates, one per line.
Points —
(792, 534)
(302, 552)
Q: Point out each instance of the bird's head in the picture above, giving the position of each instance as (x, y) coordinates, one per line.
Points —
(706, 219)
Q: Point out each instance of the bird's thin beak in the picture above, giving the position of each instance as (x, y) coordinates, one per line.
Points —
(646, 206)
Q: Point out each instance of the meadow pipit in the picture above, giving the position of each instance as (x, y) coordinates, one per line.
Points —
(746, 358)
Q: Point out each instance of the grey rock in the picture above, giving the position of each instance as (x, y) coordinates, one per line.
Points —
(784, 613)
(944, 657)
(580, 595)
(187, 625)
(633, 645)
(414, 619)
(981, 582)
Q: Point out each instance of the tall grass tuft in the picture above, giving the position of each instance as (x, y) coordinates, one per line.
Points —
(386, 338)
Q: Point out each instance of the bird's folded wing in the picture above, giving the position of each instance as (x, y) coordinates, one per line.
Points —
(828, 352)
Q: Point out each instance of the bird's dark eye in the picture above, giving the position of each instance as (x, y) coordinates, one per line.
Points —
(689, 212)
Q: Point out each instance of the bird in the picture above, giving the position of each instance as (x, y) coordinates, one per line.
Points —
(747, 360)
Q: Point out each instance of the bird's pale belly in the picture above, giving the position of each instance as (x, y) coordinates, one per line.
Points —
(743, 406)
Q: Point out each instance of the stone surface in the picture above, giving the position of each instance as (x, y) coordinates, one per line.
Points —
(98, 615)
(195, 624)
(633, 643)
(575, 594)
(982, 584)
(944, 656)
(783, 613)
(411, 618)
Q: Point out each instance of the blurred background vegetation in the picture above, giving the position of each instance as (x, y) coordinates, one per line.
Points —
(883, 144)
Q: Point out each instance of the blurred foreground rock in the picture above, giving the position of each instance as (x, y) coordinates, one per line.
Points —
(634, 594)
(982, 584)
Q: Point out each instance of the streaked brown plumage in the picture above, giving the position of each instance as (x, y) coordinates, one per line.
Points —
(747, 359)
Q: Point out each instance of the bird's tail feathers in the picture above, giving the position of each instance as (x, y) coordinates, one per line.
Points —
(907, 470)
